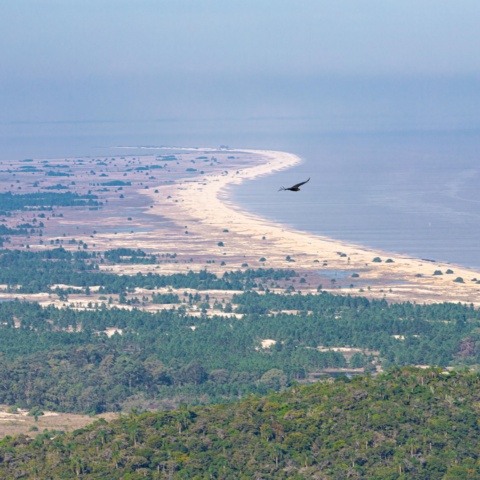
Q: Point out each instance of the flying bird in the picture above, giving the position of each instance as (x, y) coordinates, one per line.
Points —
(295, 188)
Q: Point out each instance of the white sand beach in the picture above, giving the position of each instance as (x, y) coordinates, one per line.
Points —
(201, 206)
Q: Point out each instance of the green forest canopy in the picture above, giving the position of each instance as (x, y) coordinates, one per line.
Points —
(405, 424)
(62, 359)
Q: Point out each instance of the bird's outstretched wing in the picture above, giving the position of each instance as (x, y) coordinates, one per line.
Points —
(300, 184)
(295, 188)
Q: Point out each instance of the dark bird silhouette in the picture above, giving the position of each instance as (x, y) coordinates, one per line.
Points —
(295, 188)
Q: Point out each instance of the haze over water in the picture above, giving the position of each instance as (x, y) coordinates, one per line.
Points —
(381, 100)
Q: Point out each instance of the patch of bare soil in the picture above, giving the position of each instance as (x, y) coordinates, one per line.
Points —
(22, 423)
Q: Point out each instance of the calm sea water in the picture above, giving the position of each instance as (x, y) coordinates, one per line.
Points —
(413, 192)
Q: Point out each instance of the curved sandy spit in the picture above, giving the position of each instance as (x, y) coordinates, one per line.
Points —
(202, 205)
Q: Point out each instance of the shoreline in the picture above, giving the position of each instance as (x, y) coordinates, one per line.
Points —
(178, 206)
(204, 206)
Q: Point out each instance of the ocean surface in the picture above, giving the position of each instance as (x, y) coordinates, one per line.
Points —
(405, 191)
(415, 193)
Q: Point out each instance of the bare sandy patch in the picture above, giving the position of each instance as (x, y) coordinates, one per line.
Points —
(268, 342)
(22, 423)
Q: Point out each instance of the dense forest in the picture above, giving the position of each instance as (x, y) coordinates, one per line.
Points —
(62, 358)
(33, 272)
(228, 404)
(44, 201)
(405, 424)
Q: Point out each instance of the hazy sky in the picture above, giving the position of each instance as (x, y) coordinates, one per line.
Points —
(111, 60)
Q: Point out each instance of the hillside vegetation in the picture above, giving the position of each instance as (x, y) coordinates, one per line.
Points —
(405, 424)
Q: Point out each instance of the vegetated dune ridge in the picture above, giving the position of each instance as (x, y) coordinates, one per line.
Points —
(408, 423)
(202, 207)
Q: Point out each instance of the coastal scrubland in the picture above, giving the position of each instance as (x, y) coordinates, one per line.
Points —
(174, 205)
(231, 345)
